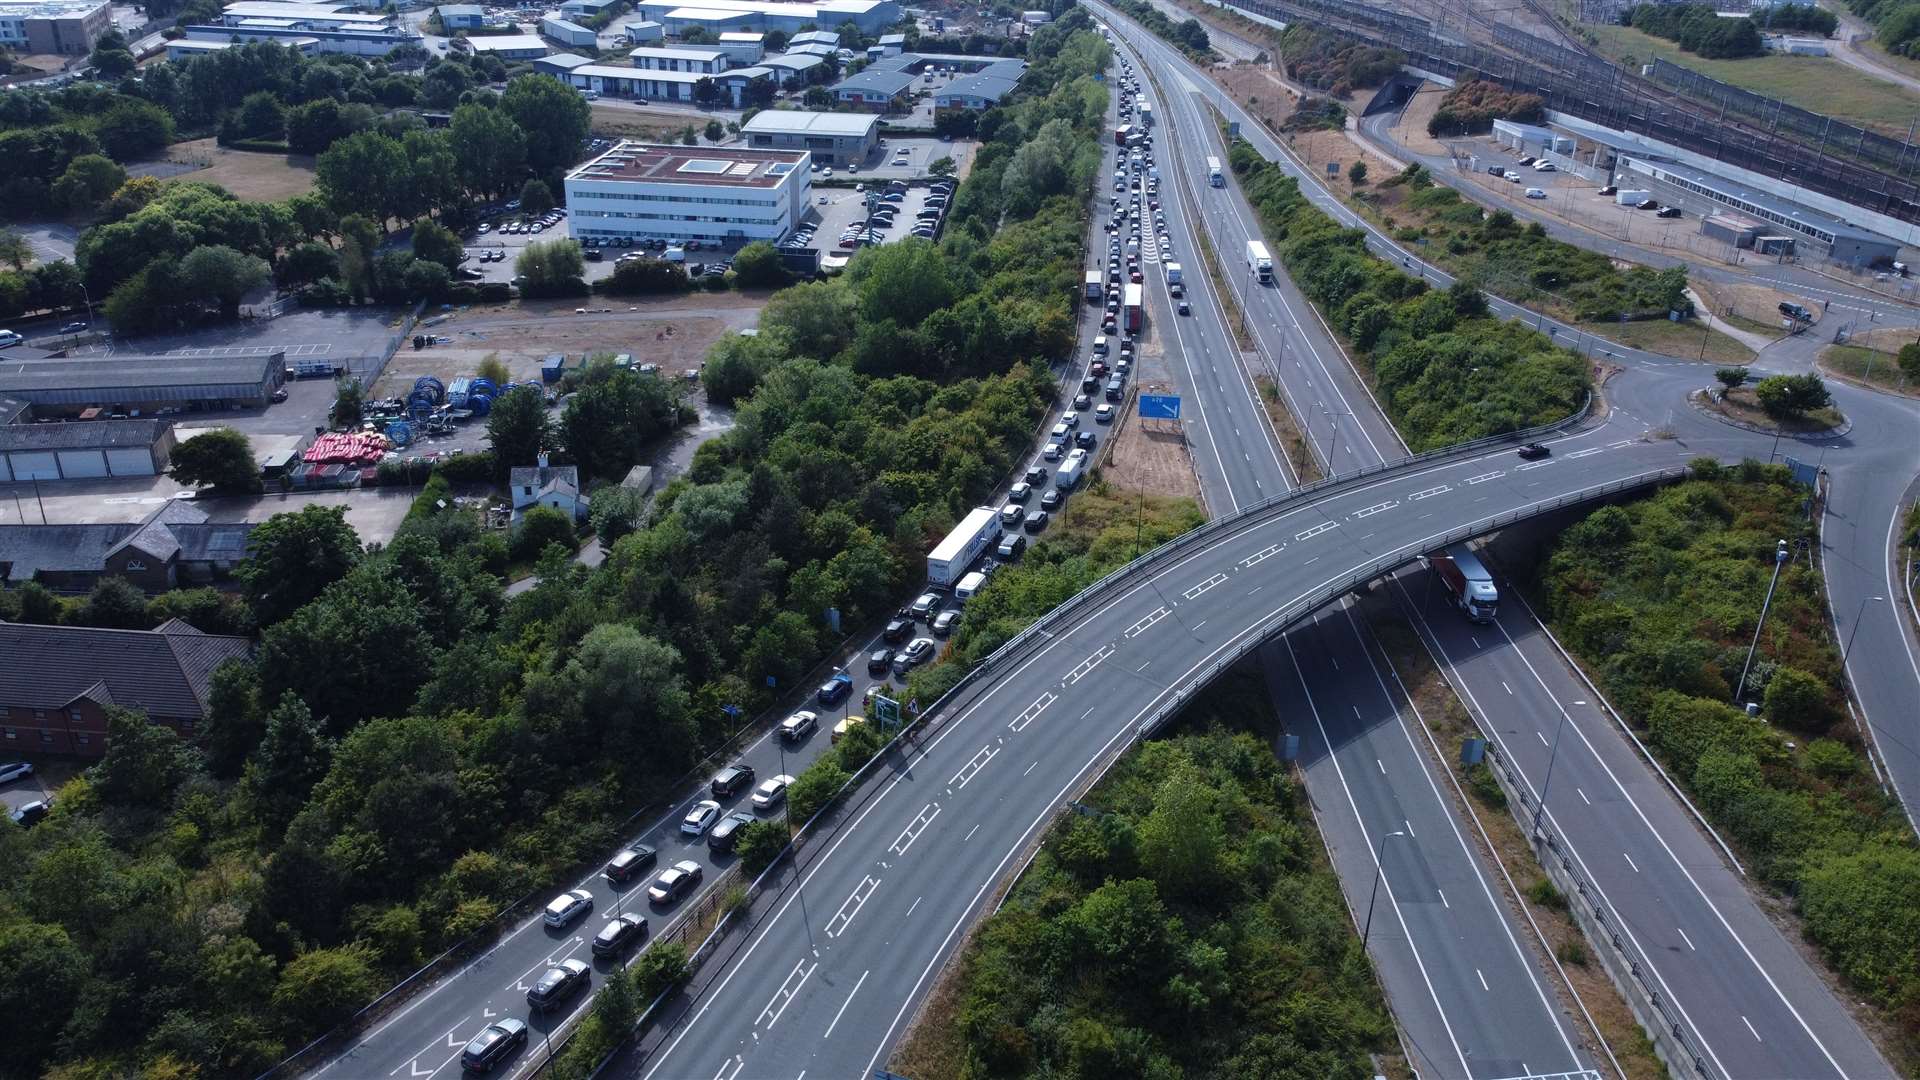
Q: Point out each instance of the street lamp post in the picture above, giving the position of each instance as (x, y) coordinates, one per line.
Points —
(1375, 894)
(1779, 560)
(1856, 627)
(1547, 784)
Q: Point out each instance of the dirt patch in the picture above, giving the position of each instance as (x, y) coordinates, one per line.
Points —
(255, 177)
(1755, 304)
(614, 122)
(674, 334)
(1411, 130)
(1150, 455)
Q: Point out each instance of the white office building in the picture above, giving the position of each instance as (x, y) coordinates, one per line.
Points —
(725, 195)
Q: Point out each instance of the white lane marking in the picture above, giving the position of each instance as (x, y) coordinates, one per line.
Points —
(1260, 556)
(1383, 767)
(788, 990)
(916, 904)
(1685, 938)
(1030, 768)
(1504, 686)
(1750, 1031)
(1583, 797)
(1542, 738)
(1019, 723)
(914, 828)
(1484, 477)
(1409, 826)
(970, 833)
(973, 766)
(1087, 665)
(1146, 622)
(1316, 530)
(1203, 586)
(1443, 899)
(844, 1004)
(855, 900)
(1533, 465)
(1430, 492)
(1483, 980)
(1588, 452)
(1630, 862)
(1620, 444)
(735, 1064)
(1376, 508)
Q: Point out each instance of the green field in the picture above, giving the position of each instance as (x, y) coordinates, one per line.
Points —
(1816, 83)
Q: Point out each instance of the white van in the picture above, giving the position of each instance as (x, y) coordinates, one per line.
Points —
(1100, 345)
(1543, 165)
(1536, 193)
(970, 584)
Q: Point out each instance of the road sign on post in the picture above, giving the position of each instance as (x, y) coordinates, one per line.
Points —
(1159, 406)
(886, 712)
(1333, 169)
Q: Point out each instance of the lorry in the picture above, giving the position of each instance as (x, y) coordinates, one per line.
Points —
(1467, 582)
(1121, 134)
(1214, 175)
(1260, 262)
(1173, 273)
(1146, 114)
(1094, 289)
(978, 531)
(1068, 474)
(1133, 314)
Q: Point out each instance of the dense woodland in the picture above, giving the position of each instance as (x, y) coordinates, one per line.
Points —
(412, 750)
(1445, 369)
(1472, 107)
(1699, 29)
(1659, 598)
(1334, 63)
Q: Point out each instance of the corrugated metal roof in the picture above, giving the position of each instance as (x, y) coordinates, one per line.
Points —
(82, 435)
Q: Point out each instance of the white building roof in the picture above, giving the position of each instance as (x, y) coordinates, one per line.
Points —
(796, 122)
(793, 62)
(563, 61)
(742, 37)
(507, 42)
(693, 53)
(610, 71)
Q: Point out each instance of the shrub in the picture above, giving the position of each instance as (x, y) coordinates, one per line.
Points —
(1474, 106)
(759, 844)
(538, 527)
(815, 788)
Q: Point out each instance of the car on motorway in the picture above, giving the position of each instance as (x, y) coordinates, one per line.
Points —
(1011, 546)
(899, 629)
(74, 328)
(879, 661)
(561, 982)
(722, 837)
(568, 906)
(1010, 515)
(494, 1044)
(799, 725)
(834, 690)
(1020, 492)
(771, 792)
(620, 932)
(1103, 414)
(629, 864)
(1053, 452)
(917, 652)
(944, 622)
(1082, 402)
(731, 780)
(1037, 520)
(925, 605)
(1052, 499)
(700, 818)
(675, 882)
(1185, 308)
(1085, 440)
(1533, 451)
(845, 725)
(15, 770)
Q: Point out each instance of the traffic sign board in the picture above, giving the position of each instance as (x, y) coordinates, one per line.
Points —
(886, 712)
(1159, 406)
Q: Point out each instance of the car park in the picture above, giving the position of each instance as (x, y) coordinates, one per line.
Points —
(495, 1043)
(771, 792)
(731, 780)
(629, 864)
(799, 725)
(724, 833)
(675, 882)
(568, 906)
(700, 818)
(620, 932)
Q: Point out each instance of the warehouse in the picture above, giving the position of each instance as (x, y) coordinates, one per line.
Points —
(871, 16)
(348, 42)
(745, 46)
(143, 384)
(1840, 241)
(878, 91)
(723, 195)
(832, 138)
(568, 33)
(685, 58)
(506, 46)
(643, 31)
(461, 17)
(791, 69)
(559, 65)
(84, 449)
(972, 93)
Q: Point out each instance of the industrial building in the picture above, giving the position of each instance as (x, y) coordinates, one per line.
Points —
(585, 9)
(724, 195)
(568, 33)
(789, 70)
(871, 16)
(349, 42)
(506, 46)
(1811, 229)
(876, 91)
(143, 385)
(59, 27)
(832, 138)
(982, 90)
(696, 58)
(560, 65)
(174, 545)
(1531, 139)
(455, 17)
(829, 38)
(744, 46)
(84, 449)
(643, 31)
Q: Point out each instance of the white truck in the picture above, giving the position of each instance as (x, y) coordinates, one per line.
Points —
(1068, 474)
(1214, 176)
(979, 530)
(1260, 262)
(1174, 273)
(1094, 288)
(1467, 582)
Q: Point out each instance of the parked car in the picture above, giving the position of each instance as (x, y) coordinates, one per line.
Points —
(27, 815)
(731, 780)
(700, 818)
(675, 882)
(799, 725)
(630, 864)
(494, 1044)
(15, 770)
(1667, 212)
(620, 932)
(568, 906)
(771, 793)
(722, 837)
(561, 982)
(1608, 190)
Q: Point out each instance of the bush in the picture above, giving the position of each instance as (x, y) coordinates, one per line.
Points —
(1789, 396)
(759, 844)
(640, 276)
(1731, 377)
(815, 788)
(1474, 106)
(538, 527)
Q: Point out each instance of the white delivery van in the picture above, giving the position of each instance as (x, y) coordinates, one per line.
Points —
(970, 584)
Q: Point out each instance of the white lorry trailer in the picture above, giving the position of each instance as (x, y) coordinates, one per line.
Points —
(979, 530)
(1260, 262)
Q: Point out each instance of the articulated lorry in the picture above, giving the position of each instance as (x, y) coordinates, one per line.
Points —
(1133, 314)
(1467, 582)
(1260, 262)
(976, 532)
(1214, 176)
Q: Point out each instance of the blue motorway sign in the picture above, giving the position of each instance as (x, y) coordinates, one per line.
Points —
(1159, 406)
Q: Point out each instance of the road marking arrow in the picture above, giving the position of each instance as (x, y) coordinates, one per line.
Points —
(414, 1068)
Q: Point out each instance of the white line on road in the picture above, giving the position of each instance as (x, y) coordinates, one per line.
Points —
(1369, 511)
(1203, 586)
(973, 766)
(784, 996)
(844, 1004)
(1261, 555)
(1583, 797)
(1484, 477)
(1755, 1034)
(856, 900)
(1483, 980)
(1630, 862)
(914, 828)
(1146, 621)
(1685, 938)
(1588, 452)
(1504, 686)
(1316, 530)
(1543, 738)
(1430, 492)
(1019, 723)
(1383, 767)
(970, 833)
(1091, 662)
(1443, 899)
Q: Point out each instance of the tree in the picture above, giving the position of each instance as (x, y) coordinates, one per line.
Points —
(757, 94)
(817, 97)
(314, 126)
(437, 244)
(815, 787)
(426, 280)
(1182, 838)
(1909, 359)
(554, 118)
(517, 428)
(705, 92)
(143, 764)
(89, 181)
(552, 268)
(325, 986)
(42, 977)
(349, 403)
(489, 149)
(538, 527)
(221, 274)
(638, 276)
(116, 604)
(359, 173)
(942, 166)
(1357, 173)
(612, 417)
(1797, 699)
(132, 130)
(1731, 377)
(494, 370)
(309, 262)
(221, 458)
(262, 116)
(616, 512)
(758, 266)
(292, 558)
(110, 56)
(14, 249)
(1792, 395)
(291, 758)
(759, 844)
(714, 131)
(535, 196)
(735, 365)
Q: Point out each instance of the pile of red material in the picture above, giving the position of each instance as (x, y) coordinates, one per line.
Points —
(347, 448)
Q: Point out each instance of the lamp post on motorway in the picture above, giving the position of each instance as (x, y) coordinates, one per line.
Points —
(1779, 560)
(1856, 627)
(1378, 848)
(1547, 784)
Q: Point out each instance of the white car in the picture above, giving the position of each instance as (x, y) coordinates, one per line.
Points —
(14, 770)
(771, 793)
(568, 906)
(799, 725)
(700, 818)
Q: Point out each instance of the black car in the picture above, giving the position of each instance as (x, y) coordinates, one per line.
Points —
(898, 630)
(1085, 440)
(1052, 499)
(878, 661)
(27, 815)
(1667, 212)
(943, 623)
(1036, 475)
(1531, 451)
(721, 836)
(613, 938)
(1037, 520)
(493, 1044)
(630, 864)
(561, 982)
(731, 781)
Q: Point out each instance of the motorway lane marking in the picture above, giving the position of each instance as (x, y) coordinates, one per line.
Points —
(1583, 797)
(1483, 980)
(1543, 738)
(1443, 899)
(1383, 767)
(411, 1063)
(553, 960)
(1620, 445)
(1203, 586)
(1146, 622)
(843, 1006)
(1376, 508)
(972, 768)
(1750, 1031)
(737, 1063)
(1685, 938)
(970, 832)
(1030, 768)
(1019, 723)
(1533, 465)
(1255, 589)
(850, 907)
(1484, 477)
(784, 995)
(1091, 662)
(1589, 451)
(1316, 530)
(1504, 686)
(1260, 556)
(1630, 862)
(1409, 826)
(1141, 668)
(914, 828)
(916, 904)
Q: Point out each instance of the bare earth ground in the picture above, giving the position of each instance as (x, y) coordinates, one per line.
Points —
(1151, 455)
(253, 176)
(1750, 303)
(615, 122)
(674, 333)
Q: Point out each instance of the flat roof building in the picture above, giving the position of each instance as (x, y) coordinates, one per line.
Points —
(559, 64)
(832, 138)
(870, 16)
(60, 27)
(643, 31)
(878, 91)
(725, 195)
(790, 69)
(744, 46)
(568, 33)
(461, 16)
(973, 92)
(1842, 242)
(370, 42)
(507, 46)
(681, 58)
(585, 9)
(830, 38)
(143, 383)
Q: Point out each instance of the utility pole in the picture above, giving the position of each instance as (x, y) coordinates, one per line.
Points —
(1547, 784)
(1779, 560)
(1856, 627)
(1375, 894)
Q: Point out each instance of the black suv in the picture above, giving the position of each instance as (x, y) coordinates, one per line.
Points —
(731, 781)
(630, 864)
(898, 630)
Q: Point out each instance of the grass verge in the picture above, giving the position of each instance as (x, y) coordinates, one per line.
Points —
(1292, 439)
(1741, 405)
(1690, 340)
(1869, 367)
